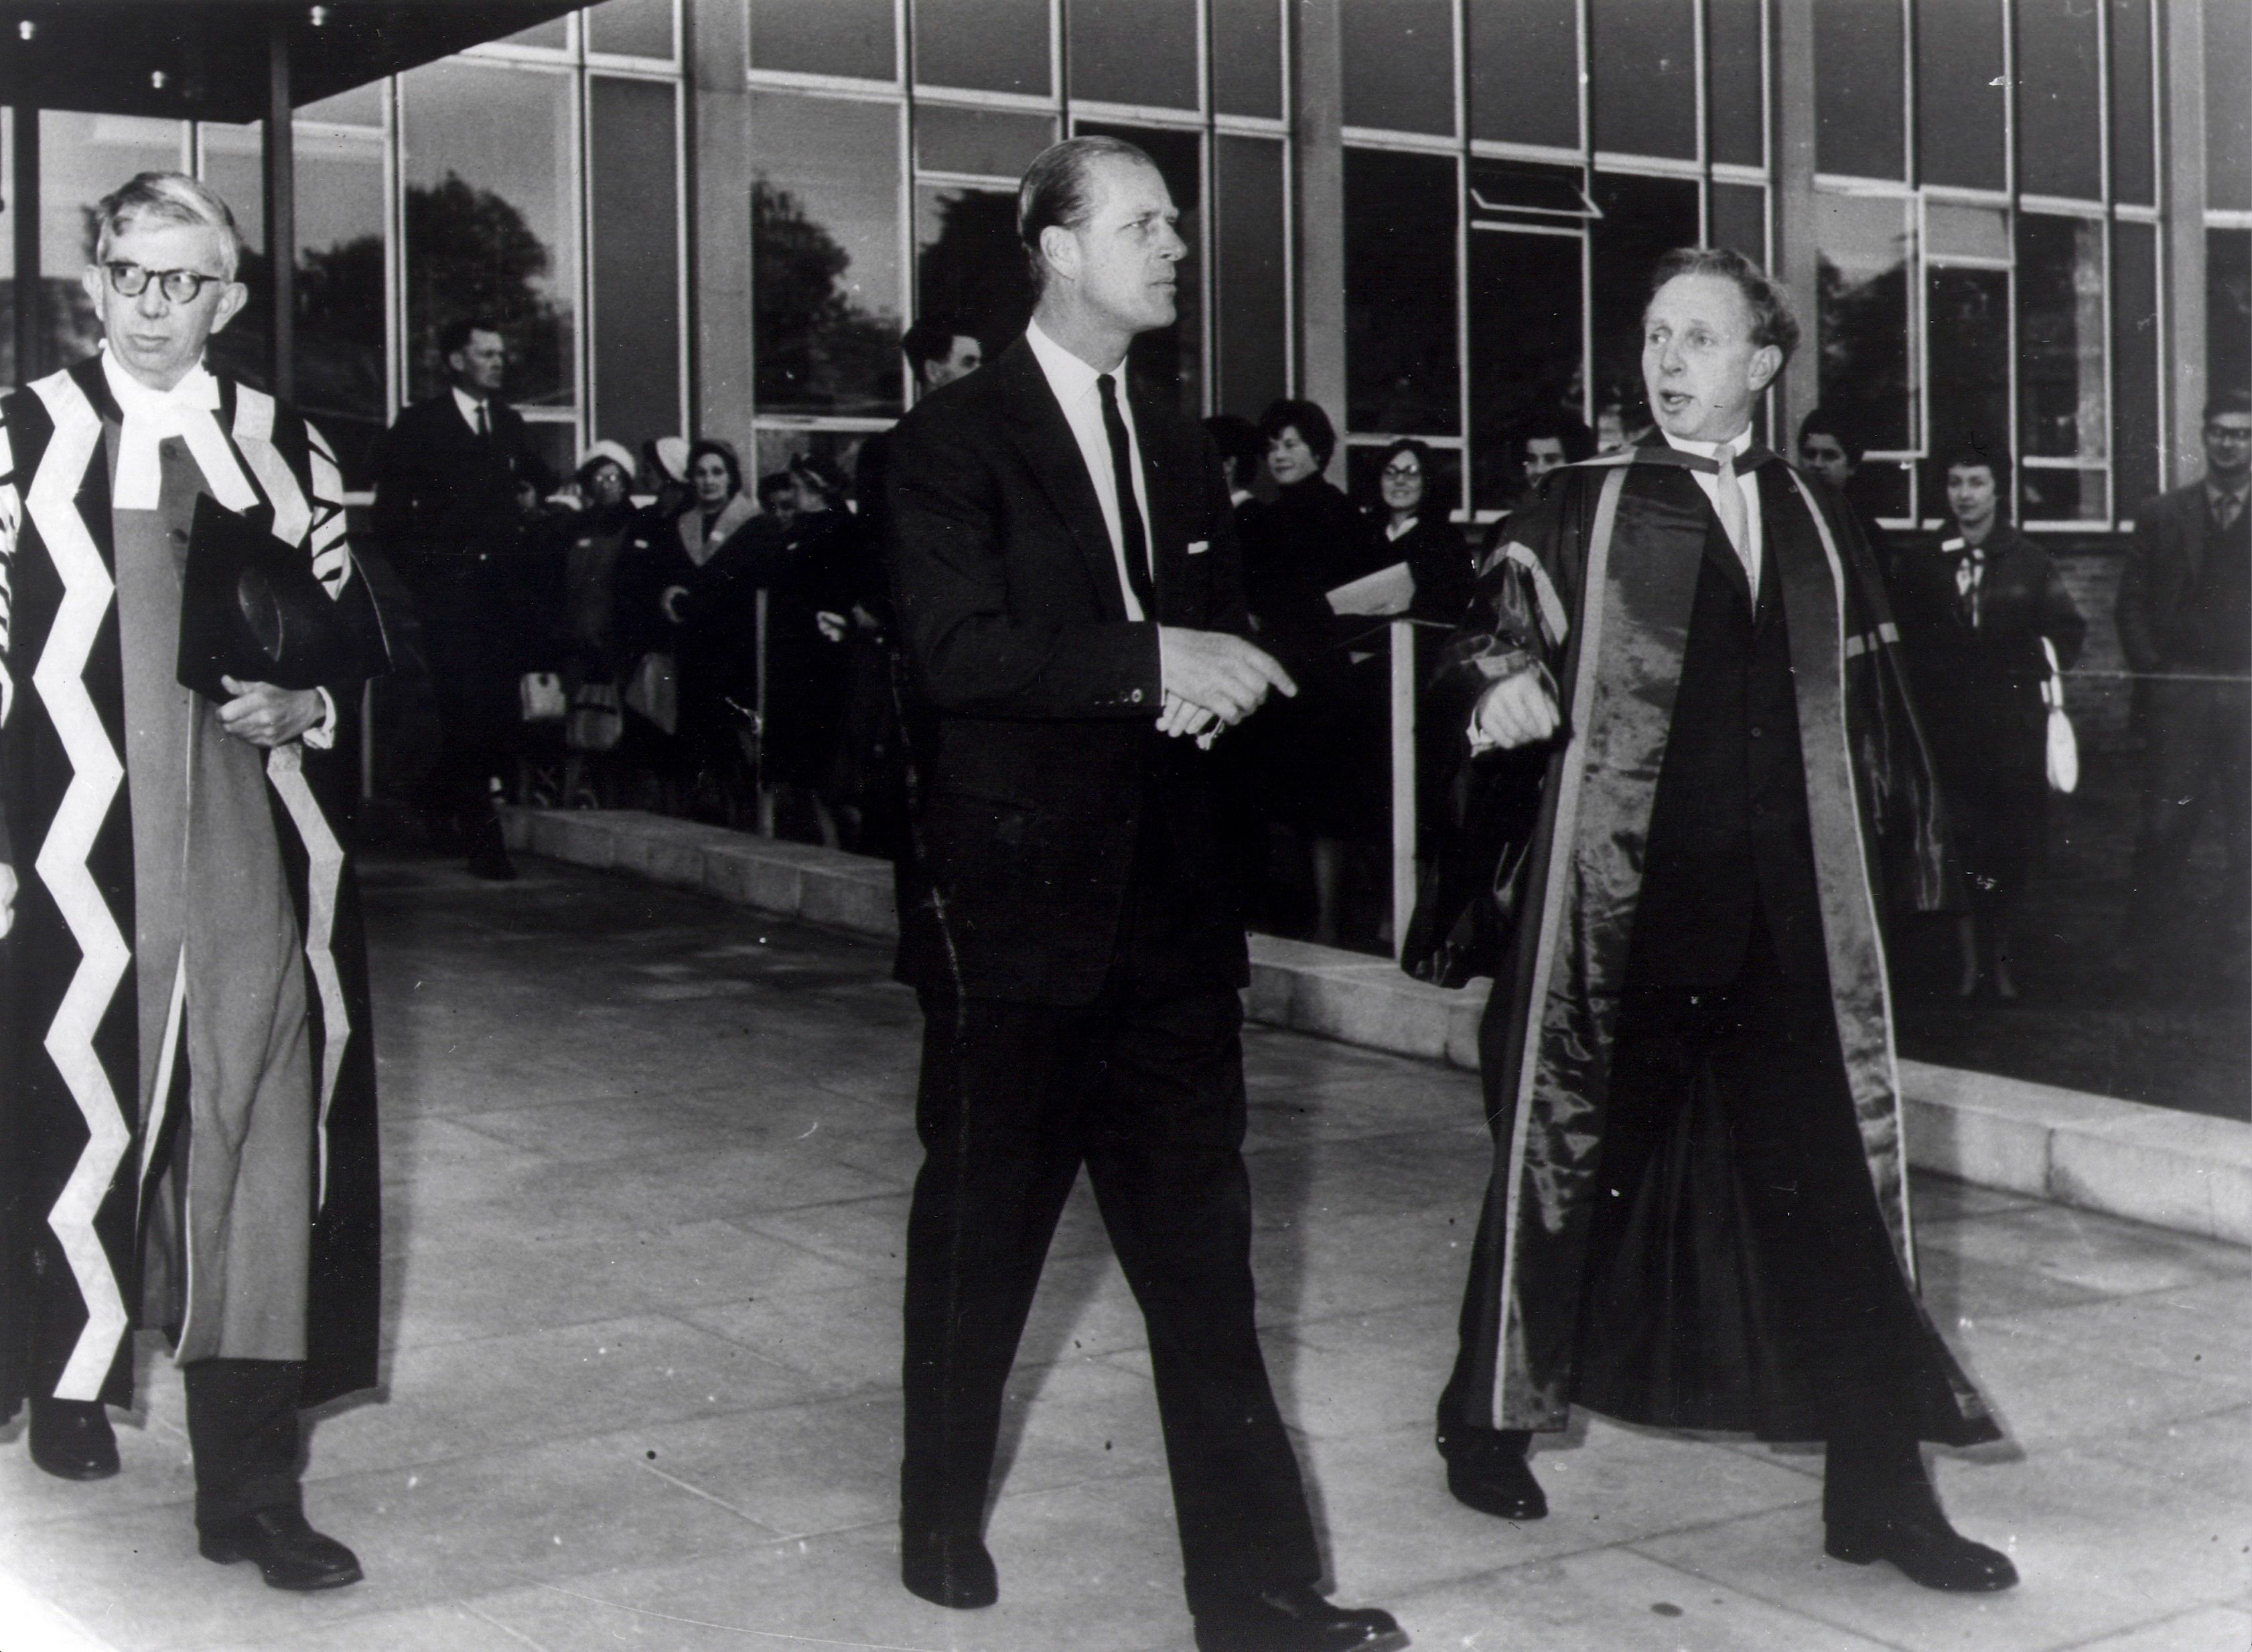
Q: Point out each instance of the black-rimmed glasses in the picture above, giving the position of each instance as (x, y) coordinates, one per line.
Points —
(180, 286)
(2228, 433)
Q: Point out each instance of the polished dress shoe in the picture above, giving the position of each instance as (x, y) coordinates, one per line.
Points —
(489, 852)
(1498, 1483)
(1292, 1618)
(71, 1439)
(956, 1572)
(288, 1552)
(1924, 1546)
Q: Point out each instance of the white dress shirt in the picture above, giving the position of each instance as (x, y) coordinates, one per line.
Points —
(1753, 553)
(469, 405)
(1072, 381)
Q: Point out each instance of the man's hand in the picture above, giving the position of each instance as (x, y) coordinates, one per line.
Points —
(1215, 671)
(1180, 718)
(268, 716)
(7, 898)
(1517, 711)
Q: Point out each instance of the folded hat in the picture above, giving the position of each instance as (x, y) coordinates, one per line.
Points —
(252, 609)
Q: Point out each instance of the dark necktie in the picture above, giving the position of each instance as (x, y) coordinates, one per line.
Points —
(1129, 508)
(484, 423)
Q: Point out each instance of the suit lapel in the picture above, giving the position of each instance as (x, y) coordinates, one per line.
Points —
(1051, 451)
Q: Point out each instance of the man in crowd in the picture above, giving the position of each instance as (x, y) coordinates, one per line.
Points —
(2184, 618)
(1830, 447)
(1069, 594)
(445, 515)
(187, 1085)
(1697, 1218)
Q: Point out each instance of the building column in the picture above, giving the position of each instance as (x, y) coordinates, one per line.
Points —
(1317, 156)
(1795, 231)
(2181, 240)
(719, 169)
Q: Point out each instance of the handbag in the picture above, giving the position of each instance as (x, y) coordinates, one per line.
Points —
(540, 698)
(2063, 744)
(597, 720)
(654, 690)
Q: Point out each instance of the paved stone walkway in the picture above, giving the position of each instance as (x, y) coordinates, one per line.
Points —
(646, 1168)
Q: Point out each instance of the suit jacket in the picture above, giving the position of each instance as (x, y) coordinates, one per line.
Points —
(444, 495)
(2158, 586)
(1036, 700)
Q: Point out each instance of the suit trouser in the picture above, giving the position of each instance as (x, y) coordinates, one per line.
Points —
(1145, 1088)
(242, 1430)
(2198, 756)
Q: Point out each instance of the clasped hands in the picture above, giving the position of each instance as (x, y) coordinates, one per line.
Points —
(1212, 680)
(268, 716)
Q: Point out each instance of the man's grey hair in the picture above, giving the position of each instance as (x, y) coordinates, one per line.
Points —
(1772, 320)
(167, 198)
(1058, 191)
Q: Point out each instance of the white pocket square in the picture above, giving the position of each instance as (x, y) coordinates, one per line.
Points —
(1198, 548)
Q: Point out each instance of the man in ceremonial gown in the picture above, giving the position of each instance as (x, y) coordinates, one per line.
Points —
(1698, 1212)
(187, 1088)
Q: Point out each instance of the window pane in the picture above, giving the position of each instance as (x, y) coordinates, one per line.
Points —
(1525, 72)
(1959, 93)
(555, 35)
(491, 220)
(1735, 51)
(970, 265)
(635, 204)
(1962, 232)
(1968, 316)
(1399, 65)
(825, 37)
(1858, 89)
(772, 449)
(1862, 256)
(1172, 358)
(1399, 336)
(1134, 51)
(631, 28)
(1738, 214)
(2131, 137)
(1643, 60)
(2061, 411)
(1246, 56)
(988, 45)
(825, 254)
(1525, 349)
(2059, 141)
(2063, 496)
(361, 106)
(2228, 109)
(2135, 363)
(1643, 219)
(2228, 308)
(990, 142)
(1252, 280)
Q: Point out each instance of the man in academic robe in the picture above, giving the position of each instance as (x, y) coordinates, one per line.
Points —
(187, 1085)
(1070, 600)
(1698, 1216)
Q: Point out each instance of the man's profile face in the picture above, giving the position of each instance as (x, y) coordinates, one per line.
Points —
(1125, 260)
(479, 364)
(964, 359)
(1825, 455)
(154, 338)
(2228, 447)
(1542, 455)
(1699, 362)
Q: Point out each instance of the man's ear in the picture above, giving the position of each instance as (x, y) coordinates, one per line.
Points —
(1060, 248)
(231, 298)
(1766, 361)
(91, 280)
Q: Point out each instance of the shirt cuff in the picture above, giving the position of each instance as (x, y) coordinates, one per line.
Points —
(324, 735)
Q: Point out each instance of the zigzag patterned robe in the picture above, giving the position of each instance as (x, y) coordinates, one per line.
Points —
(85, 1140)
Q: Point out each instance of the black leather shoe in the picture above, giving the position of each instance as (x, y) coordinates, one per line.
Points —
(1929, 1550)
(956, 1572)
(71, 1439)
(1499, 1484)
(288, 1552)
(1292, 1618)
(489, 853)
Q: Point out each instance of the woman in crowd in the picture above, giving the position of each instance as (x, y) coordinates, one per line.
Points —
(603, 558)
(808, 572)
(711, 635)
(1323, 756)
(1974, 612)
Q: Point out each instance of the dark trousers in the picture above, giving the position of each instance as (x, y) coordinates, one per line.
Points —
(1145, 1088)
(2198, 757)
(242, 1429)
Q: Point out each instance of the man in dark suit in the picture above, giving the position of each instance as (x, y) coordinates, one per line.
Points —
(445, 514)
(1697, 1215)
(1065, 570)
(2184, 618)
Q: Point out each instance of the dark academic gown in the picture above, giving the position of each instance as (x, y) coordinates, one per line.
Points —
(187, 965)
(1736, 791)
